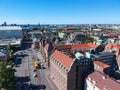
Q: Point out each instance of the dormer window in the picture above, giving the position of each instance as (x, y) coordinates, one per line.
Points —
(61, 65)
(66, 70)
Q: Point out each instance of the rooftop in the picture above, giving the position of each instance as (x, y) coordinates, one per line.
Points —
(3, 52)
(10, 28)
(93, 45)
(65, 60)
(77, 46)
(103, 82)
(11, 41)
(101, 64)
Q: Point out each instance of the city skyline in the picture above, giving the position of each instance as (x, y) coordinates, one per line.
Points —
(60, 11)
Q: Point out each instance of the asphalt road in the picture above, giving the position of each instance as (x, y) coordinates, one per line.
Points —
(24, 65)
(43, 72)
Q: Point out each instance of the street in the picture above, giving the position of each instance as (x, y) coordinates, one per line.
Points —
(25, 71)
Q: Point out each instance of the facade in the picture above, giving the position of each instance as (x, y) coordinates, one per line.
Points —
(48, 49)
(99, 81)
(101, 67)
(85, 62)
(35, 43)
(65, 72)
(61, 34)
(41, 46)
(107, 58)
(81, 37)
(113, 47)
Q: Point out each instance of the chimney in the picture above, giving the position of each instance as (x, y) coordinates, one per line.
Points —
(104, 77)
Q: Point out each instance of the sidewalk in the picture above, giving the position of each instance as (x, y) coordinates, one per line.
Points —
(50, 80)
(47, 71)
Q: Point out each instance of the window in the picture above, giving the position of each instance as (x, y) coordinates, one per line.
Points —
(64, 68)
(59, 63)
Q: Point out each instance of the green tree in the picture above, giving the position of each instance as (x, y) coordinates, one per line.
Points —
(6, 75)
(65, 36)
(55, 33)
(15, 48)
(89, 39)
(9, 47)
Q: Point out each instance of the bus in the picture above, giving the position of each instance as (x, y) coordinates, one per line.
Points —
(36, 64)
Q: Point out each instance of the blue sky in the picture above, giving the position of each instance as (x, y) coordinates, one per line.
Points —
(60, 11)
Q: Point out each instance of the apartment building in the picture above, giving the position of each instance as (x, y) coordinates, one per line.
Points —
(101, 67)
(99, 81)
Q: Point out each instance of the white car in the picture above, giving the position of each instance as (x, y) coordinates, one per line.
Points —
(34, 75)
(42, 64)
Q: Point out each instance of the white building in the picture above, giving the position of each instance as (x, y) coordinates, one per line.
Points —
(99, 81)
(61, 34)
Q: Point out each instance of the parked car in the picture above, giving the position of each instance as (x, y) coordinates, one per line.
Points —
(34, 75)
(34, 70)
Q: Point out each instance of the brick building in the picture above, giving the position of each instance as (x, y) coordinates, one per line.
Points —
(48, 49)
(42, 45)
(101, 67)
(115, 48)
(107, 58)
(65, 72)
(85, 62)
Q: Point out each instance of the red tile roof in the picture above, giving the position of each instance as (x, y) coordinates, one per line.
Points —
(112, 45)
(112, 34)
(101, 64)
(93, 45)
(65, 60)
(102, 81)
(62, 47)
(77, 46)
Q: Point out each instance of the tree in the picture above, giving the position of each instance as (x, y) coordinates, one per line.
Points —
(6, 75)
(15, 48)
(9, 47)
(65, 35)
(89, 39)
(55, 33)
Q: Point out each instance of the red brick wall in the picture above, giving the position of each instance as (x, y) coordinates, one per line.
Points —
(58, 75)
(66, 80)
